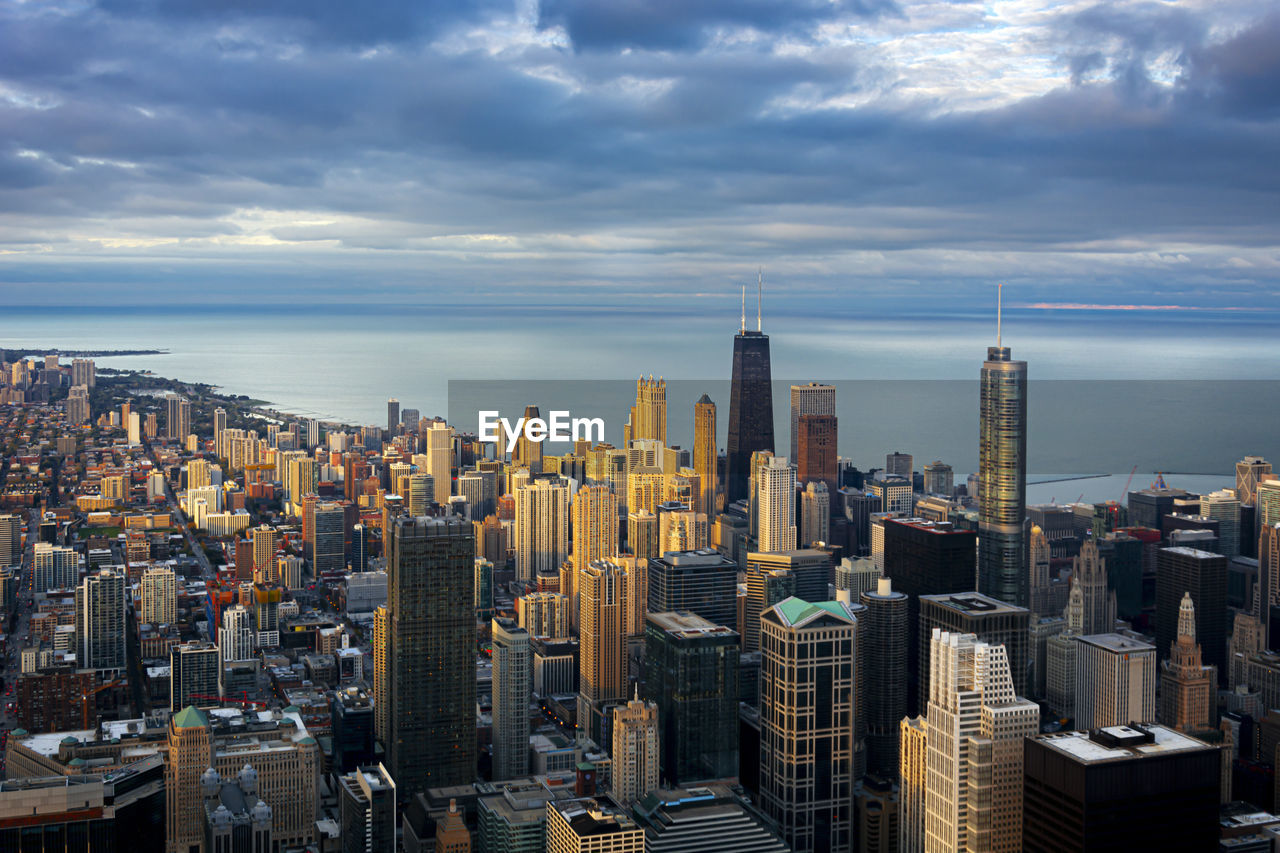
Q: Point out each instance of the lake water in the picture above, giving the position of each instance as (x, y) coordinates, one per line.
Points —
(1202, 389)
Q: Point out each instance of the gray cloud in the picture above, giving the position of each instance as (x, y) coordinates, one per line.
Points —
(140, 142)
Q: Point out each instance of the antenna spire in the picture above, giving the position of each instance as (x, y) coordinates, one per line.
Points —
(999, 311)
(744, 309)
(759, 298)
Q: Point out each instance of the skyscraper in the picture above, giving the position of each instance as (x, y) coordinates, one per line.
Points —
(595, 526)
(815, 514)
(1182, 570)
(544, 614)
(1122, 788)
(431, 649)
(939, 479)
(807, 722)
(1002, 472)
(816, 454)
(393, 416)
(542, 526)
(884, 662)
(635, 750)
(750, 405)
(691, 674)
(813, 398)
(55, 567)
(1224, 507)
(1188, 690)
(439, 439)
(327, 534)
(649, 414)
(993, 622)
(705, 455)
(528, 454)
(899, 464)
(100, 621)
(975, 727)
(704, 582)
(195, 671)
(512, 666)
(602, 656)
(777, 505)
(177, 417)
(10, 540)
(159, 596)
(1115, 681)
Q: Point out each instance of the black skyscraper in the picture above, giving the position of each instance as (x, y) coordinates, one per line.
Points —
(750, 405)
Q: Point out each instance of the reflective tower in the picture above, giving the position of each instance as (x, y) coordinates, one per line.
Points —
(1002, 469)
(750, 405)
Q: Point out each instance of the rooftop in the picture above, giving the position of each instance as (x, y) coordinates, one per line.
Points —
(973, 602)
(1117, 643)
(1120, 743)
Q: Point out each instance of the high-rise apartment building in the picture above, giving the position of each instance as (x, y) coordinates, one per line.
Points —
(776, 494)
(691, 674)
(974, 732)
(808, 704)
(1224, 507)
(635, 751)
(100, 621)
(595, 533)
(381, 675)
(431, 685)
(177, 417)
(913, 760)
(236, 636)
(84, 372)
(939, 479)
(817, 459)
(883, 654)
(159, 596)
(10, 540)
(813, 398)
(1115, 681)
(898, 464)
(1188, 688)
(54, 567)
(512, 667)
(750, 407)
(544, 614)
(1182, 570)
(542, 526)
(705, 454)
(195, 675)
(1002, 472)
(528, 454)
(603, 622)
(328, 539)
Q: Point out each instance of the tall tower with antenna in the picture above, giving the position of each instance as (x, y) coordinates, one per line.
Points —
(1003, 568)
(750, 398)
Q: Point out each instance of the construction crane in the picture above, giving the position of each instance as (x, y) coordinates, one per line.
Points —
(1128, 483)
(90, 700)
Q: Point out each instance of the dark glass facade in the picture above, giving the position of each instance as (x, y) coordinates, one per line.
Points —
(750, 409)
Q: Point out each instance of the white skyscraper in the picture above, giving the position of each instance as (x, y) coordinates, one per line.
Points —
(542, 526)
(512, 668)
(1224, 507)
(235, 637)
(439, 440)
(974, 731)
(635, 750)
(776, 484)
(55, 568)
(159, 596)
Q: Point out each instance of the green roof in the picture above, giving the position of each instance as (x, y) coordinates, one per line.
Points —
(189, 718)
(797, 610)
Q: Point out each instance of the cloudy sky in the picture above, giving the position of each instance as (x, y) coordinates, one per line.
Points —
(1085, 152)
